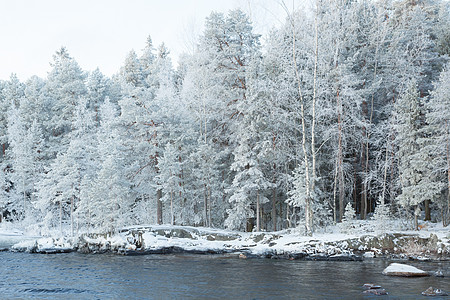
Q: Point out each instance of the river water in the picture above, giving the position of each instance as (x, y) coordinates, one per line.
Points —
(104, 276)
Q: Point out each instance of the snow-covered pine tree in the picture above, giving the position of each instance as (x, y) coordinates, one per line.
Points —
(65, 86)
(4, 197)
(11, 93)
(147, 58)
(61, 184)
(381, 216)
(108, 204)
(249, 184)
(131, 71)
(98, 88)
(413, 159)
(208, 176)
(297, 194)
(438, 142)
(23, 153)
(282, 112)
(143, 113)
(169, 180)
(219, 76)
(349, 218)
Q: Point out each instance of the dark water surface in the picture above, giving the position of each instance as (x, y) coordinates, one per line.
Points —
(103, 276)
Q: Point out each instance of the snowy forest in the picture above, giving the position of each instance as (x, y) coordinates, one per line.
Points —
(344, 107)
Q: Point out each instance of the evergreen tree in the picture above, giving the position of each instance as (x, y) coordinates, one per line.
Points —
(98, 88)
(169, 180)
(23, 153)
(65, 86)
(347, 224)
(131, 72)
(12, 92)
(437, 143)
(63, 180)
(110, 202)
(382, 216)
(413, 159)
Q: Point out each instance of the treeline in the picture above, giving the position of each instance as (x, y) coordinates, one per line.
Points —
(348, 102)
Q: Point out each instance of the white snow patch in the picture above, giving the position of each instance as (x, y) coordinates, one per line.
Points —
(369, 254)
(11, 236)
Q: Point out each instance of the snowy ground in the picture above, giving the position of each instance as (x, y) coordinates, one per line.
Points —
(354, 242)
(11, 236)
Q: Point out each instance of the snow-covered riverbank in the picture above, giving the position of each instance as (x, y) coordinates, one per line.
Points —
(430, 243)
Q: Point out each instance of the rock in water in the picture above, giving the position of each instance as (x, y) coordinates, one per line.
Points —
(396, 269)
(434, 292)
(371, 286)
(377, 292)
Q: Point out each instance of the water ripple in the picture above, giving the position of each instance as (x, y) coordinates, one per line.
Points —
(55, 291)
(78, 276)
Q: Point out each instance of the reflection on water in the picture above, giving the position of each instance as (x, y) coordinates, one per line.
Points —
(77, 276)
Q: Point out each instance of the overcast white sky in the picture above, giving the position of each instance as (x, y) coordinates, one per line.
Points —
(99, 33)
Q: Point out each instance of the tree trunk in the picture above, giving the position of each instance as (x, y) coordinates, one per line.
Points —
(60, 217)
(159, 205)
(71, 215)
(181, 184)
(313, 121)
(427, 210)
(274, 209)
(288, 217)
(88, 214)
(209, 206)
(258, 221)
(171, 208)
(445, 221)
(334, 192)
(416, 221)
(340, 161)
(392, 156)
(250, 224)
(355, 195)
(159, 212)
(205, 206)
(363, 208)
(24, 196)
(383, 193)
(341, 189)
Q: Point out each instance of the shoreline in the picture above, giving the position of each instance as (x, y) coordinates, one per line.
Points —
(167, 239)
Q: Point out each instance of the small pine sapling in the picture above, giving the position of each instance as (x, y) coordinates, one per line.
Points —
(381, 217)
(348, 221)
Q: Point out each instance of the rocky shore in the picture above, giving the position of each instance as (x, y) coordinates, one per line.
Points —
(160, 239)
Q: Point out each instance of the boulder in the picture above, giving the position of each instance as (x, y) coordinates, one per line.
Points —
(377, 292)
(434, 292)
(371, 286)
(396, 269)
(345, 257)
(181, 233)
